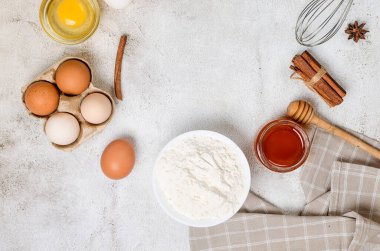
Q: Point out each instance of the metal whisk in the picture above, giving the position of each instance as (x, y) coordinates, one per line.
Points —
(321, 20)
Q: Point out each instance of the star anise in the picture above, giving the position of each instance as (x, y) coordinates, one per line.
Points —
(356, 31)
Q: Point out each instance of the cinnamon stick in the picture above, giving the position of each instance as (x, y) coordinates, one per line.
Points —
(329, 80)
(305, 77)
(118, 65)
(325, 90)
(299, 72)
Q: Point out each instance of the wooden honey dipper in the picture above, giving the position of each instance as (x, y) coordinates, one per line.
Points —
(303, 113)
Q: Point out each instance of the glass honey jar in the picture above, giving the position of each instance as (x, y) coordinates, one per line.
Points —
(282, 145)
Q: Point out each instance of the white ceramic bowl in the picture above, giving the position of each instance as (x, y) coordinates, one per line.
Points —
(204, 222)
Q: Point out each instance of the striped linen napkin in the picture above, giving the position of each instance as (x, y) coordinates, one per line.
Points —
(342, 189)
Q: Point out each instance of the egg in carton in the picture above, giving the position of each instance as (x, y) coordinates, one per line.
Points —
(71, 104)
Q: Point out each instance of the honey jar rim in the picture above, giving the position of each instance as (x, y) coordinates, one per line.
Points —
(261, 156)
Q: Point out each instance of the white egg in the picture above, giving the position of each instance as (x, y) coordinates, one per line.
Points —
(62, 128)
(117, 4)
(96, 108)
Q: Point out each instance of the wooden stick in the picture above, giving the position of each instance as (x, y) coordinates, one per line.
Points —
(302, 112)
(346, 136)
(118, 65)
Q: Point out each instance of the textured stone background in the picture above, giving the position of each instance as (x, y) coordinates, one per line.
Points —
(218, 65)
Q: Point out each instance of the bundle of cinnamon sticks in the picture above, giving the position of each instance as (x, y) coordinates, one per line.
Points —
(316, 78)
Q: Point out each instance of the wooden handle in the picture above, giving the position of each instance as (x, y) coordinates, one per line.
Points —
(346, 136)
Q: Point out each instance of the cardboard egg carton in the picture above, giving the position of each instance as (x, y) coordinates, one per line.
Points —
(71, 104)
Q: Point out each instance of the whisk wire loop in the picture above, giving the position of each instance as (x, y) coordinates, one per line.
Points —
(320, 20)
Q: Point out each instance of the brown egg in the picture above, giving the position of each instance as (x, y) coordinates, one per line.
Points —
(118, 159)
(41, 98)
(73, 77)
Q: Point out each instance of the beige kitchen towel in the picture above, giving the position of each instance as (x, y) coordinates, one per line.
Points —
(325, 151)
(342, 191)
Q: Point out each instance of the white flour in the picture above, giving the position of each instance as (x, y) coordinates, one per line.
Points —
(201, 178)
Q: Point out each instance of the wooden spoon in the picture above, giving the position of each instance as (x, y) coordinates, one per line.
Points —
(303, 113)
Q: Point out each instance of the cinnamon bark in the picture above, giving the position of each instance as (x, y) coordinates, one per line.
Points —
(316, 66)
(307, 67)
(317, 90)
(118, 64)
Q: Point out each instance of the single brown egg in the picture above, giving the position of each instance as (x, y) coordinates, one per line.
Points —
(73, 77)
(118, 159)
(41, 98)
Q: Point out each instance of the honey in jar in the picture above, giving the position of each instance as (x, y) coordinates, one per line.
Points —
(282, 145)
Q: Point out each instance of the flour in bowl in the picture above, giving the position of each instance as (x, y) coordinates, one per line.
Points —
(201, 178)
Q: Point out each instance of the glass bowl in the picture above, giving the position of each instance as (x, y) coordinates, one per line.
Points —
(268, 130)
(69, 39)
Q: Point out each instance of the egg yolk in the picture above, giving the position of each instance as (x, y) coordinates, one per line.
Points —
(72, 13)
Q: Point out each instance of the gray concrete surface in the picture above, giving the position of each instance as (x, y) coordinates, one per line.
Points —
(216, 65)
